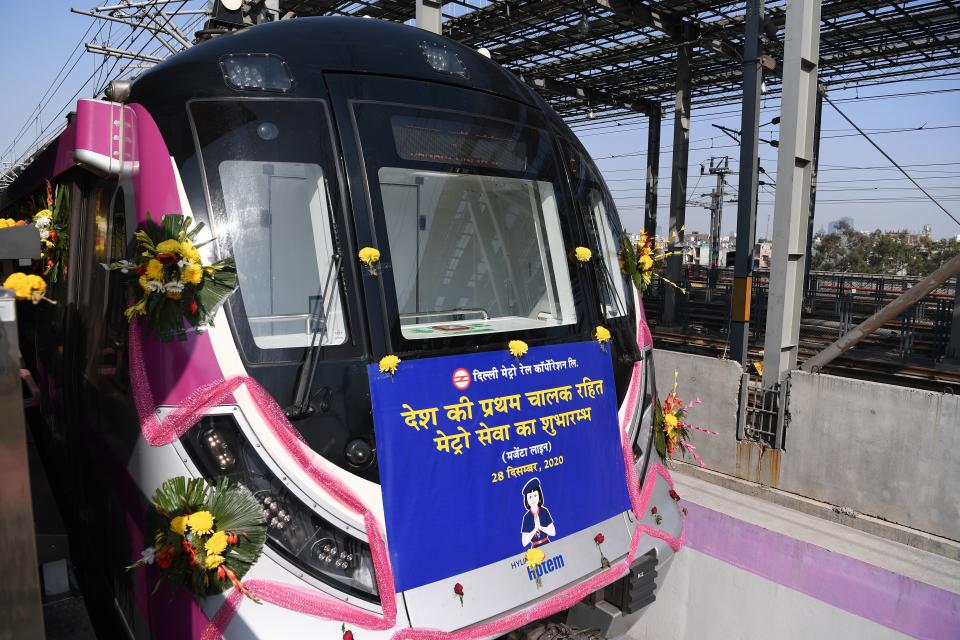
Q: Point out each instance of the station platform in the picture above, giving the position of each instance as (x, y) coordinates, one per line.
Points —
(753, 567)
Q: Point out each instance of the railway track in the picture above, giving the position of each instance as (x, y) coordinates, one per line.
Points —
(888, 371)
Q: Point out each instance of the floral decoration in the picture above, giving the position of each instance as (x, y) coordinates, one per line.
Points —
(602, 335)
(518, 348)
(27, 286)
(207, 536)
(656, 515)
(171, 281)
(671, 431)
(51, 222)
(646, 258)
(389, 364)
(534, 557)
(10, 222)
(583, 254)
(598, 540)
(347, 633)
(369, 257)
(458, 591)
(674, 496)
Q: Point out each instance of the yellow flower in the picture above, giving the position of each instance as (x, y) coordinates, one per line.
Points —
(534, 557)
(216, 544)
(646, 263)
(26, 286)
(189, 252)
(583, 254)
(43, 213)
(602, 334)
(671, 422)
(178, 525)
(168, 246)
(213, 561)
(201, 522)
(192, 274)
(518, 348)
(389, 364)
(155, 270)
(369, 256)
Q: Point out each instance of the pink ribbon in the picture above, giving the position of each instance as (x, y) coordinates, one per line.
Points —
(311, 602)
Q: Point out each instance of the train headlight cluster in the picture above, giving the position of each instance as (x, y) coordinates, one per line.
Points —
(296, 532)
(256, 72)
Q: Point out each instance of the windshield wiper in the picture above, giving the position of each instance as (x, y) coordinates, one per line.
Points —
(301, 406)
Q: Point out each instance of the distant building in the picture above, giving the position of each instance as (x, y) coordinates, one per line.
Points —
(834, 226)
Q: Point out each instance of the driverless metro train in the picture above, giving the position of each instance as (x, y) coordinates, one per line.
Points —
(297, 143)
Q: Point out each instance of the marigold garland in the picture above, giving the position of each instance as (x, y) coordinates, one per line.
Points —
(369, 257)
(389, 364)
(602, 335)
(170, 279)
(207, 535)
(518, 348)
(10, 222)
(27, 286)
(583, 254)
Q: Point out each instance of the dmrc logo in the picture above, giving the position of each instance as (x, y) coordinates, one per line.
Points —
(461, 379)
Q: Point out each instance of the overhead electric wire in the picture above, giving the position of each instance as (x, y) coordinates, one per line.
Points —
(888, 157)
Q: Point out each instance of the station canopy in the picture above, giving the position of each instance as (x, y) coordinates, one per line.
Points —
(603, 58)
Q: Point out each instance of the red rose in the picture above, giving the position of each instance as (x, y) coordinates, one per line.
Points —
(221, 572)
(653, 511)
(599, 538)
(458, 589)
(52, 236)
(164, 557)
(348, 635)
(141, 269)
(231, 538)
(166, 258)
(194, 307)
(674, 495)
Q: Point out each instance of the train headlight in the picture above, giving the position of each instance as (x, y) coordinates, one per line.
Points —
(443, 60)
(296, 532)
(256, 72)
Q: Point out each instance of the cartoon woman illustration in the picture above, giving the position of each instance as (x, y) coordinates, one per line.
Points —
(537, 524)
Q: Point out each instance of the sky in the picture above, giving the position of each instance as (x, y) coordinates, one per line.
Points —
(915, 122)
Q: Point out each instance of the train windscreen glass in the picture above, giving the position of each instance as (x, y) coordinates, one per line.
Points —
(473, 226)
(272, 214)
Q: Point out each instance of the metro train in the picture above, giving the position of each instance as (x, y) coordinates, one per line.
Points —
(297, 143)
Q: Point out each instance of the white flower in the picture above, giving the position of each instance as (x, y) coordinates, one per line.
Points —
(174, 286)
(44, 234)
(147, 555)
(154, 285)
(127, 265)
(42, 222)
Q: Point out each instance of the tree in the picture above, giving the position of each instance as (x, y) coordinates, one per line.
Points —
(880, 252)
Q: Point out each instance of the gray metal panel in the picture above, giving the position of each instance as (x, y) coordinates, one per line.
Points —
(20, 243)
(21, 615)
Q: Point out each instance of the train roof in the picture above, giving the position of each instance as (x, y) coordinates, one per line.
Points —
(327, 44)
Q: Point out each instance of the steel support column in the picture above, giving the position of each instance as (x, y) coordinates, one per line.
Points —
(678, 177)
(428, 15)
(653, 171)
(821, 90)
(792, 201)
(747, 185)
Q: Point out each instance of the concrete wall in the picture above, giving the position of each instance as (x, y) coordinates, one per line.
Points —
(717, 383)
(882, 450)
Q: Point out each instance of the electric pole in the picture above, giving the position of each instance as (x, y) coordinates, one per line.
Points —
(719, 167)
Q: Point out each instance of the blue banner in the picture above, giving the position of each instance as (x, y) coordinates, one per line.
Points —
(484, 455)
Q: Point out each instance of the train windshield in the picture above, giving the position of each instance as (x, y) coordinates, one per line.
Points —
(264, 164)
(470, 206)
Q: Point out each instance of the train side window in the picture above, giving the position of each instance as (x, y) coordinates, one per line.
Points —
(603, 224)
(113, 347)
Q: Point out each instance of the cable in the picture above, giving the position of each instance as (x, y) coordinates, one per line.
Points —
(887, 156)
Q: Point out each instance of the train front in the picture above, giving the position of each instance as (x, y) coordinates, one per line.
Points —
(429, 292)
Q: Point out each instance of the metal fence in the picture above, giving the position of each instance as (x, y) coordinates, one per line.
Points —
(833, 304)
